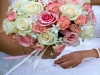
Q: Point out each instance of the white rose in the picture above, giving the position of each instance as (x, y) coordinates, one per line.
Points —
(87, 31)
(47, 38)
(81, 2)
(24, 25)
(71, 11)
(87, 1)
(18, 3)
(9, 27)
(32, 8)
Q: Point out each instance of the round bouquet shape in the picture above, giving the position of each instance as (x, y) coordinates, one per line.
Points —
(55, 23)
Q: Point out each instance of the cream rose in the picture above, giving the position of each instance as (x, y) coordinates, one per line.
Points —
(9, 27)
(87, 31)
(82, 2)
(47, 38)
(87, 1)
(71, 11)
(18, 3)
(32, 8)
(24, 25)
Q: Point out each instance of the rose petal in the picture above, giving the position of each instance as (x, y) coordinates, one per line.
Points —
(76, 43)
(24, 40)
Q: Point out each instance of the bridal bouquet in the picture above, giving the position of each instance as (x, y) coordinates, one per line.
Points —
(41, 23)
(56, 23)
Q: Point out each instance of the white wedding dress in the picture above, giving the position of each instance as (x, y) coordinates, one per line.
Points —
(89, 66)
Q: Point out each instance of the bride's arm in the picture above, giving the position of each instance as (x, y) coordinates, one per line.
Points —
(75, 58)
(95, 2)
(6, 44)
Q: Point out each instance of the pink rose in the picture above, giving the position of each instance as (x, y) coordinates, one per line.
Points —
(53, 7)
(38, 28)
(24, 40)
(39, 47)
(59, 48)
(75, 28)
(81, 20)
(92, 17)
(87, 7)
(33, 42)
(69, 1)
(64, 22)
(70, 38)
(62, 1)
(49, 1)
(47, 18)
(73, 1)
(12, 16)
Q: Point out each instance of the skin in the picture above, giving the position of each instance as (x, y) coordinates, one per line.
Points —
(12, 48)
(95, 2)
(75, 58)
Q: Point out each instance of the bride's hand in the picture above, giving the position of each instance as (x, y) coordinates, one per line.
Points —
(75, 58)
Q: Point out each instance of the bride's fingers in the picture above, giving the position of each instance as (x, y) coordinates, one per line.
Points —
(62, 59)
(74, 65)
(66, 64)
